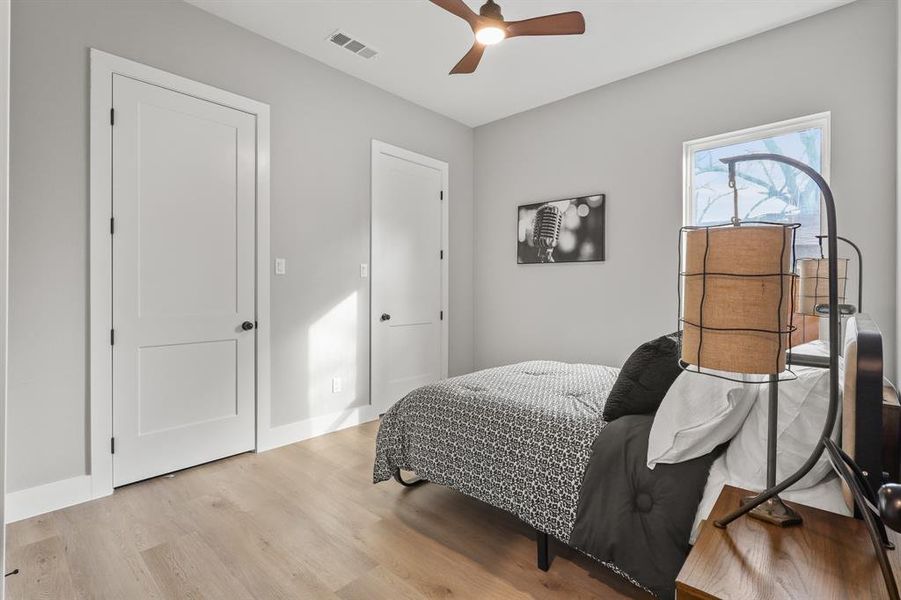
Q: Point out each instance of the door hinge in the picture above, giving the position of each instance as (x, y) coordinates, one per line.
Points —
(442, 315)
(112, 116)
(112, 445)
(442, 255)
(441, 195)
(112, 337)
(112, 225)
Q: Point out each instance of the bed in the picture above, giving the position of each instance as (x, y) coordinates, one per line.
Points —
(530, 439)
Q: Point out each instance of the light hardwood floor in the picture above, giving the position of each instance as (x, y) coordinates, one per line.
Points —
(303, 521)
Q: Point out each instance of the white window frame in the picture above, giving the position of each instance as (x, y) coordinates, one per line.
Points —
(821, 120)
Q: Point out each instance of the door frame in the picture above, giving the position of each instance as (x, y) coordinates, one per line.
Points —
(5, 7)
(380, 147)
(103, 67)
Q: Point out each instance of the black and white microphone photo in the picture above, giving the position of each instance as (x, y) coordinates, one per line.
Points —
(546, 231)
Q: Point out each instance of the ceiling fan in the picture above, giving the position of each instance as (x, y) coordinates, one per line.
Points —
(490, 28)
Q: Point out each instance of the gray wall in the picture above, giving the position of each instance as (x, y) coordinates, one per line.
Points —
(322, 123)
(625, 139)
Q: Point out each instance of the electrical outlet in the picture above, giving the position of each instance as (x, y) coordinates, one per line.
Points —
(279, 266)
(364, 270)
(336, 385)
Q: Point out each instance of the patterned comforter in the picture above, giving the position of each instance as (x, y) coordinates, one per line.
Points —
(517, 437)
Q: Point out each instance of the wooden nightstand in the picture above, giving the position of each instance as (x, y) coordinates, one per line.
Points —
(828, 557)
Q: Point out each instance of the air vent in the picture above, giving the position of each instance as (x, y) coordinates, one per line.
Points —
(339, 38)
(349, 43)
(354, 46)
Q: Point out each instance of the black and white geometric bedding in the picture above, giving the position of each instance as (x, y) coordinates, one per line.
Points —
(517, 437)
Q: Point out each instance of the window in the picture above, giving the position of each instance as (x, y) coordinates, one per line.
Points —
(767, 191)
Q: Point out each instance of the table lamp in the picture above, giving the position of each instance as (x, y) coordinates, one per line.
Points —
(813, 283)
(754, 326)
(737, 287)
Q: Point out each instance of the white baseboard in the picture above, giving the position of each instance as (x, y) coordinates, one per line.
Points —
(48, 497)
(316, 426)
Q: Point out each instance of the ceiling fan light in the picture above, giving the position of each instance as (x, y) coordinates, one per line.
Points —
(490, 35)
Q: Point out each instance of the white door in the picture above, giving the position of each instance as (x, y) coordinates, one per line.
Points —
(183, 280)
(408, 262)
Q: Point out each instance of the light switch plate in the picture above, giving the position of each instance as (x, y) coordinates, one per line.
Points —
(279, 266)
(336, 385)
(364, 270)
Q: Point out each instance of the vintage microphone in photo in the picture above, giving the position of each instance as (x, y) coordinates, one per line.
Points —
(546, 231)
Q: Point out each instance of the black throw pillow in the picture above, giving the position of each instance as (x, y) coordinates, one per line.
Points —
(645, 378)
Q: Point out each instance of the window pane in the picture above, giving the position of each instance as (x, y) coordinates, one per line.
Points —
(767, 191)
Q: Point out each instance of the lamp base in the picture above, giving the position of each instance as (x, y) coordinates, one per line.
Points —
(774, 511)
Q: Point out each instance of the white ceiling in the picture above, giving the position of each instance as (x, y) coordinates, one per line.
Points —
(418, 43)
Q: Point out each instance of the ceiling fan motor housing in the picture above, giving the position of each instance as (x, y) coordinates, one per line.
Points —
(490, 10)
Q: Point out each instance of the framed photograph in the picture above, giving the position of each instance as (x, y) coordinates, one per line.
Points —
(570, 230)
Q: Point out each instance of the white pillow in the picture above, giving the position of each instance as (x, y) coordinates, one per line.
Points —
(698, 413)
(802, 413)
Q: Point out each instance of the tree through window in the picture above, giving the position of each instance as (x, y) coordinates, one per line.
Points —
(767, 191)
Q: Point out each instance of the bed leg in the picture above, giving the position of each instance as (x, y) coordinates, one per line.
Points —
(399, 479)
(544, 562)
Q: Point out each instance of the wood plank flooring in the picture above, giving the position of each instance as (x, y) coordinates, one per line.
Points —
(303, 521)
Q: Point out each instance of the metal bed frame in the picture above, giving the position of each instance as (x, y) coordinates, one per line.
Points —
(541, 538)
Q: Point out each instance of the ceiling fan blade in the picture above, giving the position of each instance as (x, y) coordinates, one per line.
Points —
(568, 23)
(459, 8)
(469, 62)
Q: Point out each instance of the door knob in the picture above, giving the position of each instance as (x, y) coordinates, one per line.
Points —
(247, 325)
(385, 317)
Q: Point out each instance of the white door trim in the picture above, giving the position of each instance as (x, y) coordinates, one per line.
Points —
(402, 153)
(103, 67)
(4, 259)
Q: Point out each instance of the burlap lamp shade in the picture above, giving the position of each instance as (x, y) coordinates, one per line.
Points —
(737, 297)
(813, 284)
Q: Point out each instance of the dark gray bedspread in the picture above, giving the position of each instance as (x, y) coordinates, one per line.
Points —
(634, 517)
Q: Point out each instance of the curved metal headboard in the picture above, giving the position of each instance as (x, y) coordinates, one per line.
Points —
(862, 397)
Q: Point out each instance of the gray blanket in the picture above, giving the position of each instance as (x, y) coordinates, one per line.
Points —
(524, 437)
(634, 517)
